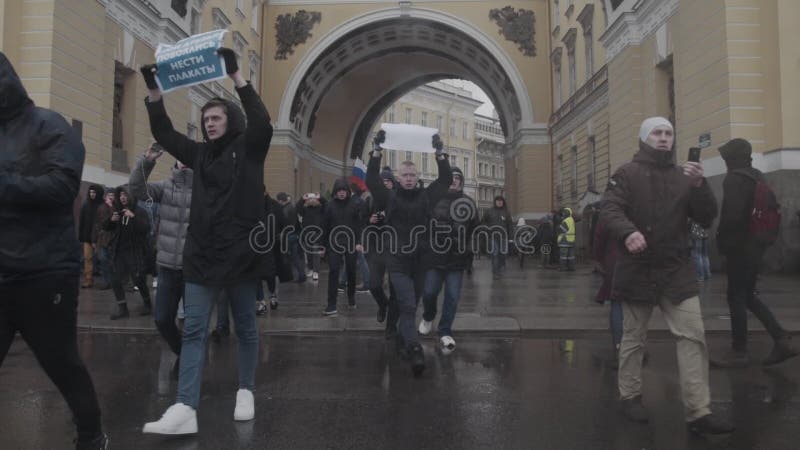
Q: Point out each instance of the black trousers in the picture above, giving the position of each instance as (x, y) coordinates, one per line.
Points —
(743, 267)
(44, 312)
(124, 267)
(337, 262)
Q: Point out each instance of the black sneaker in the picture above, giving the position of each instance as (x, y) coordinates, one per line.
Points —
(342, 287)
(710, 424)
(417, 359)
(330, 311)
(781, 351)
(273, 302)
(634, 410)
(731, 360)
(261, 308)
(351, 303)
(122, 313)
(98, 443)
(362, 289)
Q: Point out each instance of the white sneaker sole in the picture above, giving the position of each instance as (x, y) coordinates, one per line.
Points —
(242, 417)
(424, 330)
(188, 427)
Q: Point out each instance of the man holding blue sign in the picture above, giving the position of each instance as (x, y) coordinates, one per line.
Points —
(227, 204)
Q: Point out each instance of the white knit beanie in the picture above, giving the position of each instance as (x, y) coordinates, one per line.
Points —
(649, 124)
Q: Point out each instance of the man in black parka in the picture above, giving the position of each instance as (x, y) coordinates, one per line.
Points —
(41, 160)
(408, 213)
(222, 250)
(94, 198)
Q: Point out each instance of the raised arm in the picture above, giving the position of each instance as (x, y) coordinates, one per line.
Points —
(380, 194)
(138, 184)
(60, 154)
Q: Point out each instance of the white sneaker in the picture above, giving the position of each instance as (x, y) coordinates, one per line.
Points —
(177, 419)
(425, 327)
(315, 276)
(155, 282)
(448, 343)
(245, 409)
(309, 274)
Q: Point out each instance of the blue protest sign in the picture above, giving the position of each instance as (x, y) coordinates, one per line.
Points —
(190, 61)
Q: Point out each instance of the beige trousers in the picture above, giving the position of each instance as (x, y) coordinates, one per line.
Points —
(88, 267)
(685, 321)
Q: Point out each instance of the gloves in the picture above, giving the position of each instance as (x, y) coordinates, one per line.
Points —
(149, 74)
(437, 143)
(230, 59)
(379, 139)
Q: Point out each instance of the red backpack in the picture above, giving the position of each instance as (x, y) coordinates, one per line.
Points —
(765, 218)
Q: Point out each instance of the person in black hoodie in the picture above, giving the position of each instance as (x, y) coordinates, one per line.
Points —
(408, 211)
(311, 208)
(376, 257)
(744, 254)
(499, 217)
(222, 249)
(456, 216)
(342, 224)
(40, 173)
(127, 248)
(94, 198)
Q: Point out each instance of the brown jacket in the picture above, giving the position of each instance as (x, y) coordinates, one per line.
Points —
(100, 235)
(653, 196)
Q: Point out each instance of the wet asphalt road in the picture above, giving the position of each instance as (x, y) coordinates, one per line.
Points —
(350, 391)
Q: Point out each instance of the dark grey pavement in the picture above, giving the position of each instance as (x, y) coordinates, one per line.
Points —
(350, 391)
(527, 300)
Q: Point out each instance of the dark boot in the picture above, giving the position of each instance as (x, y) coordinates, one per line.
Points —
(122, 312)
(417, 359)
(98, 443)
(710, 424)
(733, 359)
(634, 410)
(781, 351)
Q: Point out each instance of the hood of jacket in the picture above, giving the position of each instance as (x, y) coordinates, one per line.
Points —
(131, 198)
(340, 185)
(98, 198)
(649, 155)
(494, 203)
(182, 177)
(567, 213)
(236, 125)
(13, 96)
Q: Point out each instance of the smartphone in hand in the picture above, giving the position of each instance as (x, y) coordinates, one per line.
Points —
(694, 154)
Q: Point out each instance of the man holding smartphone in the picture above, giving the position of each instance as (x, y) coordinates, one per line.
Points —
(646, 207)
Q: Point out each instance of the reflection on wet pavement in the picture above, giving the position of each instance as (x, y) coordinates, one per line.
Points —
(351, 391)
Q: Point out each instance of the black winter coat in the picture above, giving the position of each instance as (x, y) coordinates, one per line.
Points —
(499, 217)
(88, 214)
(651, 195)
(41, 161)
(452, 251)
(341, 216)
(405, 210)
(227, 192)
(129, 241)
(279, 264)
(738, 192)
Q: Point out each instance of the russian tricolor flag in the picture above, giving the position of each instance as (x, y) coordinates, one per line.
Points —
(359, 174)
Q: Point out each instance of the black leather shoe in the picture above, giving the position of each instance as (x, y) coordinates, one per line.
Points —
(634, 410)
(710, 424)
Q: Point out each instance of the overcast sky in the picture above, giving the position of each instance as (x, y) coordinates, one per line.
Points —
(477, 93)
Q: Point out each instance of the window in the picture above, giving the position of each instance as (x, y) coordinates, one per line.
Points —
(120, 125)
(191, 131)
(494, 171)
(425, 163)
(502, 171)
(452, 160)
(408, 115)
(452, 127)
(391, 115)
(556, 14)
(194, 22)
(560, 187)
(409, 156)
(590, 179)
(573, 82)
(589, 49)
(439, 123)
(254, 18)
(465, 169)
(240, 7)
(556, 63)
(423, 119)
(574, 187)
(465, 131)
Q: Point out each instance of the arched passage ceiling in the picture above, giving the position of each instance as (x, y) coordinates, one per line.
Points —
(364, 71)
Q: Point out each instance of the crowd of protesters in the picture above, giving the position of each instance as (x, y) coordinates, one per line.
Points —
(195, 231)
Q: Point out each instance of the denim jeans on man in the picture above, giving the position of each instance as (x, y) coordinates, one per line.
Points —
(105, 264)
(199, 301)
(434, 279)
(700, 256)
(498, 250)
(168, 296)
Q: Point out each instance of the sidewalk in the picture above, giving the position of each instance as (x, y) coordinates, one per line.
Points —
(530, 300)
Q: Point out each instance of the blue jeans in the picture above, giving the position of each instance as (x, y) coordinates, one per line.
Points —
(223, 318)
(498, 256)
(168, 296)
(105, 264)
(615, 323)
(700, 254)
(434, 279)
(199, 301)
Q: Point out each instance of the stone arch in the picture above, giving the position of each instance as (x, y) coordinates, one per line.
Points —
(467, 52)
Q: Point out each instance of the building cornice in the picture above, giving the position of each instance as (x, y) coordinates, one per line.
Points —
(143, 20)
(563, 120)
(632, 27)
